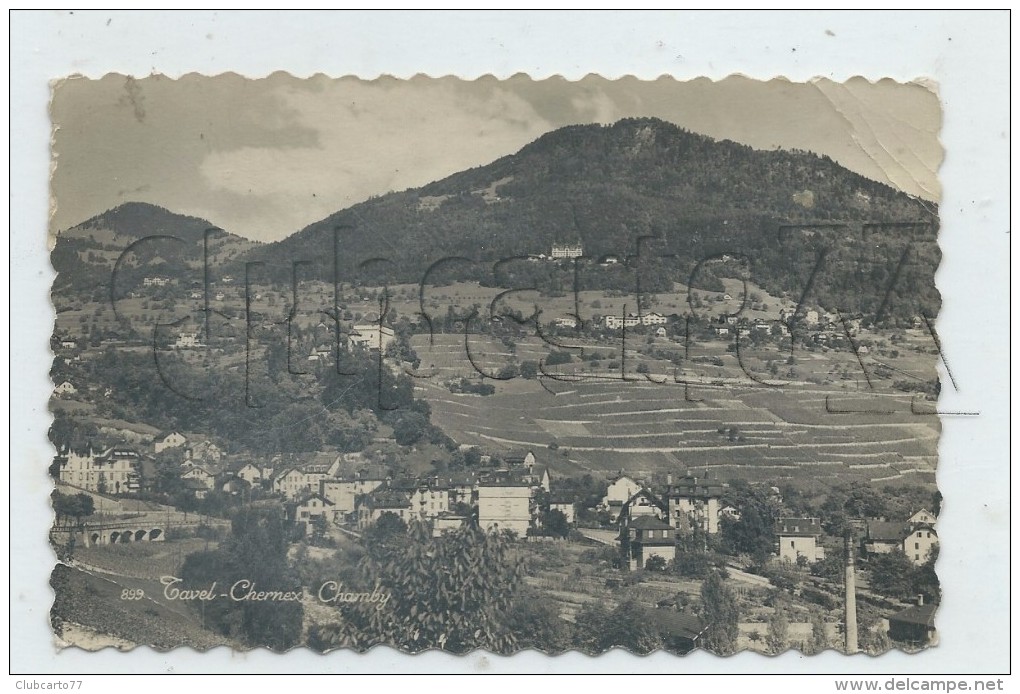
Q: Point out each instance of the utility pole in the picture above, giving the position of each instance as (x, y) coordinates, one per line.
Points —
(850, 599)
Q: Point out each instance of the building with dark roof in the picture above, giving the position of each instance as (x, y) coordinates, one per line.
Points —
(914, 626)
(798, 537)
(680, 631)
(916, 539)
(644, 537)
(695, 502)
(370, 507)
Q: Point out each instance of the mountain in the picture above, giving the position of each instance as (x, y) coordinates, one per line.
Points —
(608, 186)
(85, 255)
(134, 220)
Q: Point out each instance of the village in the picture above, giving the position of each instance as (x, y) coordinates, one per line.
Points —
(589, 533)
(649, 527)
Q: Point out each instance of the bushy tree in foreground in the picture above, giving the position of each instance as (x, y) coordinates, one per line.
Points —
(256, 551)
(455, 592)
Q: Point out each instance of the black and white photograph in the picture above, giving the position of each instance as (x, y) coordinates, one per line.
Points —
(494, 365)
(378, 366)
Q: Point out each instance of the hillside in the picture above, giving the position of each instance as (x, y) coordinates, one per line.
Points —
(608, 186)
(85, 255)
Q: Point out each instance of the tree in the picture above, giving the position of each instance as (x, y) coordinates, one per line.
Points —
(779, 628)
(536, 623)
(386, 536)
(892, 575)
(628, 625)
(720, 613)
(72, 506)
(555, 523)
(255, 551)
(410, 428)
(819, 637)
(455, 592)
(754, 532)
(529, 369)
(872, 638)
(926, 581)
(655, 563)
(558, 357)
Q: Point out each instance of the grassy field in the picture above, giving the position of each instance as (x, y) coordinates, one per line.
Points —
(826, 431)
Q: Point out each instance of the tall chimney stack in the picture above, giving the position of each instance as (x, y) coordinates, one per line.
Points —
(850, 600)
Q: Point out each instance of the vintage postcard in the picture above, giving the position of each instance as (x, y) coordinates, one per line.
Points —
(495, 365)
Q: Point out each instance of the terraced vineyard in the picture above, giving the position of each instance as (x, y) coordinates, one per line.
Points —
(801, 431)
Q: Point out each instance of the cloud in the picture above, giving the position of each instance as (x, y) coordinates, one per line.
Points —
(373, 137)
(264, 158)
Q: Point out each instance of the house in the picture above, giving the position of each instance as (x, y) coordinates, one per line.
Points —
(680, 631)
(196, 488)
(644, 537)
(539, 479)
(916, 540)
(566, 250)
(68, 343)
(311, 508)
(620, 490)
(919, 542)
(798, 537)
(721, 330)
(252, 474)
(174, 439)
(342, 493)
(615, 322)
(368, 481)
(565, 507)
(187, 341)
(372, 506)
(653, 318)
(922, 517)
(65, 388)
(643, 503)
(205, 451)
(371, 336)
(201, 475)
(505, 506)
(528, 460)
(155, 281)
(296, 482)
(566, 322)
(323, 352)
(429, 498)
(660, 332)
(235, 486)
(883, 537)
(914, 625)
(695, 502)
(730, 512)
(461, 488)
(117, 470)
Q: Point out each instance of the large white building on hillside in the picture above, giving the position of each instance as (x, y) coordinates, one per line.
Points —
(117, 470)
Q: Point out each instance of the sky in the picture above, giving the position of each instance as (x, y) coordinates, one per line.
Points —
(265, 158)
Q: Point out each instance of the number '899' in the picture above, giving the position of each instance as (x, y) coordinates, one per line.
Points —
(132, 594)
